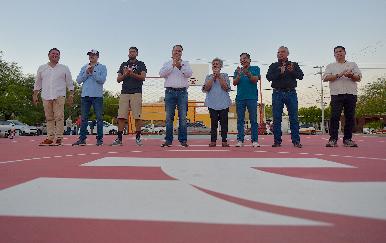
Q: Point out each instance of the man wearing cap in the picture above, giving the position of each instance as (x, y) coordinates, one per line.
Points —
(52, 79)
(92, 76)
(132, 73)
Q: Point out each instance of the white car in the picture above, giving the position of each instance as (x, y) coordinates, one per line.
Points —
(150, 128)
(24, 129)
(108, 128)
(307, 129)
(6, 128)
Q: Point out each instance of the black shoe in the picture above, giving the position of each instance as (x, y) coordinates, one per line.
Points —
(79, 143)
(166, 144)
(349, 143)
(298, 145)
(276, 145)
(332, 143)
(184, 144)
(99, 142)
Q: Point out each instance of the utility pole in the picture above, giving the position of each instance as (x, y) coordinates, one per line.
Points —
(321, 95)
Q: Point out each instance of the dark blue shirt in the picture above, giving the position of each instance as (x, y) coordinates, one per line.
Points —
(287, 80)
(132, 85)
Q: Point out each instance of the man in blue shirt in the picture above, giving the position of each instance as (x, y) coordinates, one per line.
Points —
(92, 76)
(245, 78)
(283, 75)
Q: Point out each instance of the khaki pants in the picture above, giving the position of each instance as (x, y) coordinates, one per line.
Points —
(54, 112)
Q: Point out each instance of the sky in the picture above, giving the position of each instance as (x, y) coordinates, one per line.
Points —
(206, 29)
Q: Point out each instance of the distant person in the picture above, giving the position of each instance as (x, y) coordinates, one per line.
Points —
(176, 73)
(92, 76)
(132, 73)
(92, 124)
(78, 121)
(283, 75)
(217, 87)
(68, 125)
(246, 78)
(343, 77)
(52, 79)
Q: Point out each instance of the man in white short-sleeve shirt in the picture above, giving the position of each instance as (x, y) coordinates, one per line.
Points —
(342, 76)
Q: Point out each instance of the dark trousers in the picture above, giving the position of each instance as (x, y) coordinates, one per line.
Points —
(346, 102)
(215, 117)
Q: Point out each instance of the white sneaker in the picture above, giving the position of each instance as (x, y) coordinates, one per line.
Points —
(256, 145)
(138, 141)
(239, 144)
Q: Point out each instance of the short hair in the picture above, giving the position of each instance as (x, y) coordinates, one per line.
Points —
(218, 60)
(344, 49)
(244, 53)
(53, 49)
(133, 48)
(178, 46)
(284, 47)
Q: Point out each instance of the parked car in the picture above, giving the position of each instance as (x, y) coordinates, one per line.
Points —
(197, 128)
(151, 128)
(6, 128)
(108, 128)
(41, 129)
(24, 129)
(307, 129)
(367, 130)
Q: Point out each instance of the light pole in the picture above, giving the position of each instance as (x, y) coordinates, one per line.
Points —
(321, 95)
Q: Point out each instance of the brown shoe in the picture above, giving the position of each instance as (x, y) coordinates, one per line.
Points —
(46, 142)
(57, 143)
(225, 144)
(212, 144)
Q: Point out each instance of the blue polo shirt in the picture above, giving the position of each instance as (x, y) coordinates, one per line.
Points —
(246, 90)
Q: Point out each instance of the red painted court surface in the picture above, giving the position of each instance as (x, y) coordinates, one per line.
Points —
(195, 194)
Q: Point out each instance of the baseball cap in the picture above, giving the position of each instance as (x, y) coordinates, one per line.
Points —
(93, 52)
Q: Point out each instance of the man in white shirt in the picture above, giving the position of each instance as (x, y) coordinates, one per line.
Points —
(52, 79)
(176, 73)
(342, 76)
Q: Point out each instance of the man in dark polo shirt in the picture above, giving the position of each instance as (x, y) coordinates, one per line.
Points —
(132, 73)
(283, 75)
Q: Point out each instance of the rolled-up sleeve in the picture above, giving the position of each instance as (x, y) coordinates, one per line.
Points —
(38, 80)
(166, 69)
(82, 75)
(100, 74)
(186, 70)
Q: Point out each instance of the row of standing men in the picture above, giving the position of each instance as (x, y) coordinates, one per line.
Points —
(53, 78)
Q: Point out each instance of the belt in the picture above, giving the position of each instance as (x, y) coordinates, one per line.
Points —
(176, 89)
(284, 89)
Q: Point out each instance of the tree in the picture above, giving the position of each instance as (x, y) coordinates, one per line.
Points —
(16, 94)
(372, 101)
(310, 115)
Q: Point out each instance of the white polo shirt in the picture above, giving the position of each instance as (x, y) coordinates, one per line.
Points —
(342, 85)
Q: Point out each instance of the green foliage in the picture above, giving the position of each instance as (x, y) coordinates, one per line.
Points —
(372, 101)
(16, 98)
(374, 124)
(16, 95)
(310, 115)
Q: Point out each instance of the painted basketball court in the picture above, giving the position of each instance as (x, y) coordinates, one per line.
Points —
(194, 194)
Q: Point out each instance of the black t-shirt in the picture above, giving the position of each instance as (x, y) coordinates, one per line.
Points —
(132, 85)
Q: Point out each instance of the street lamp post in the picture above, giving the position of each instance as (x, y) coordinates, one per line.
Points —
(321, 95)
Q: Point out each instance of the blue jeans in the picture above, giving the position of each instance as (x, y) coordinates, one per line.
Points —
(176, 98)
(86, 103)
(241, 106)
(290, 99)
